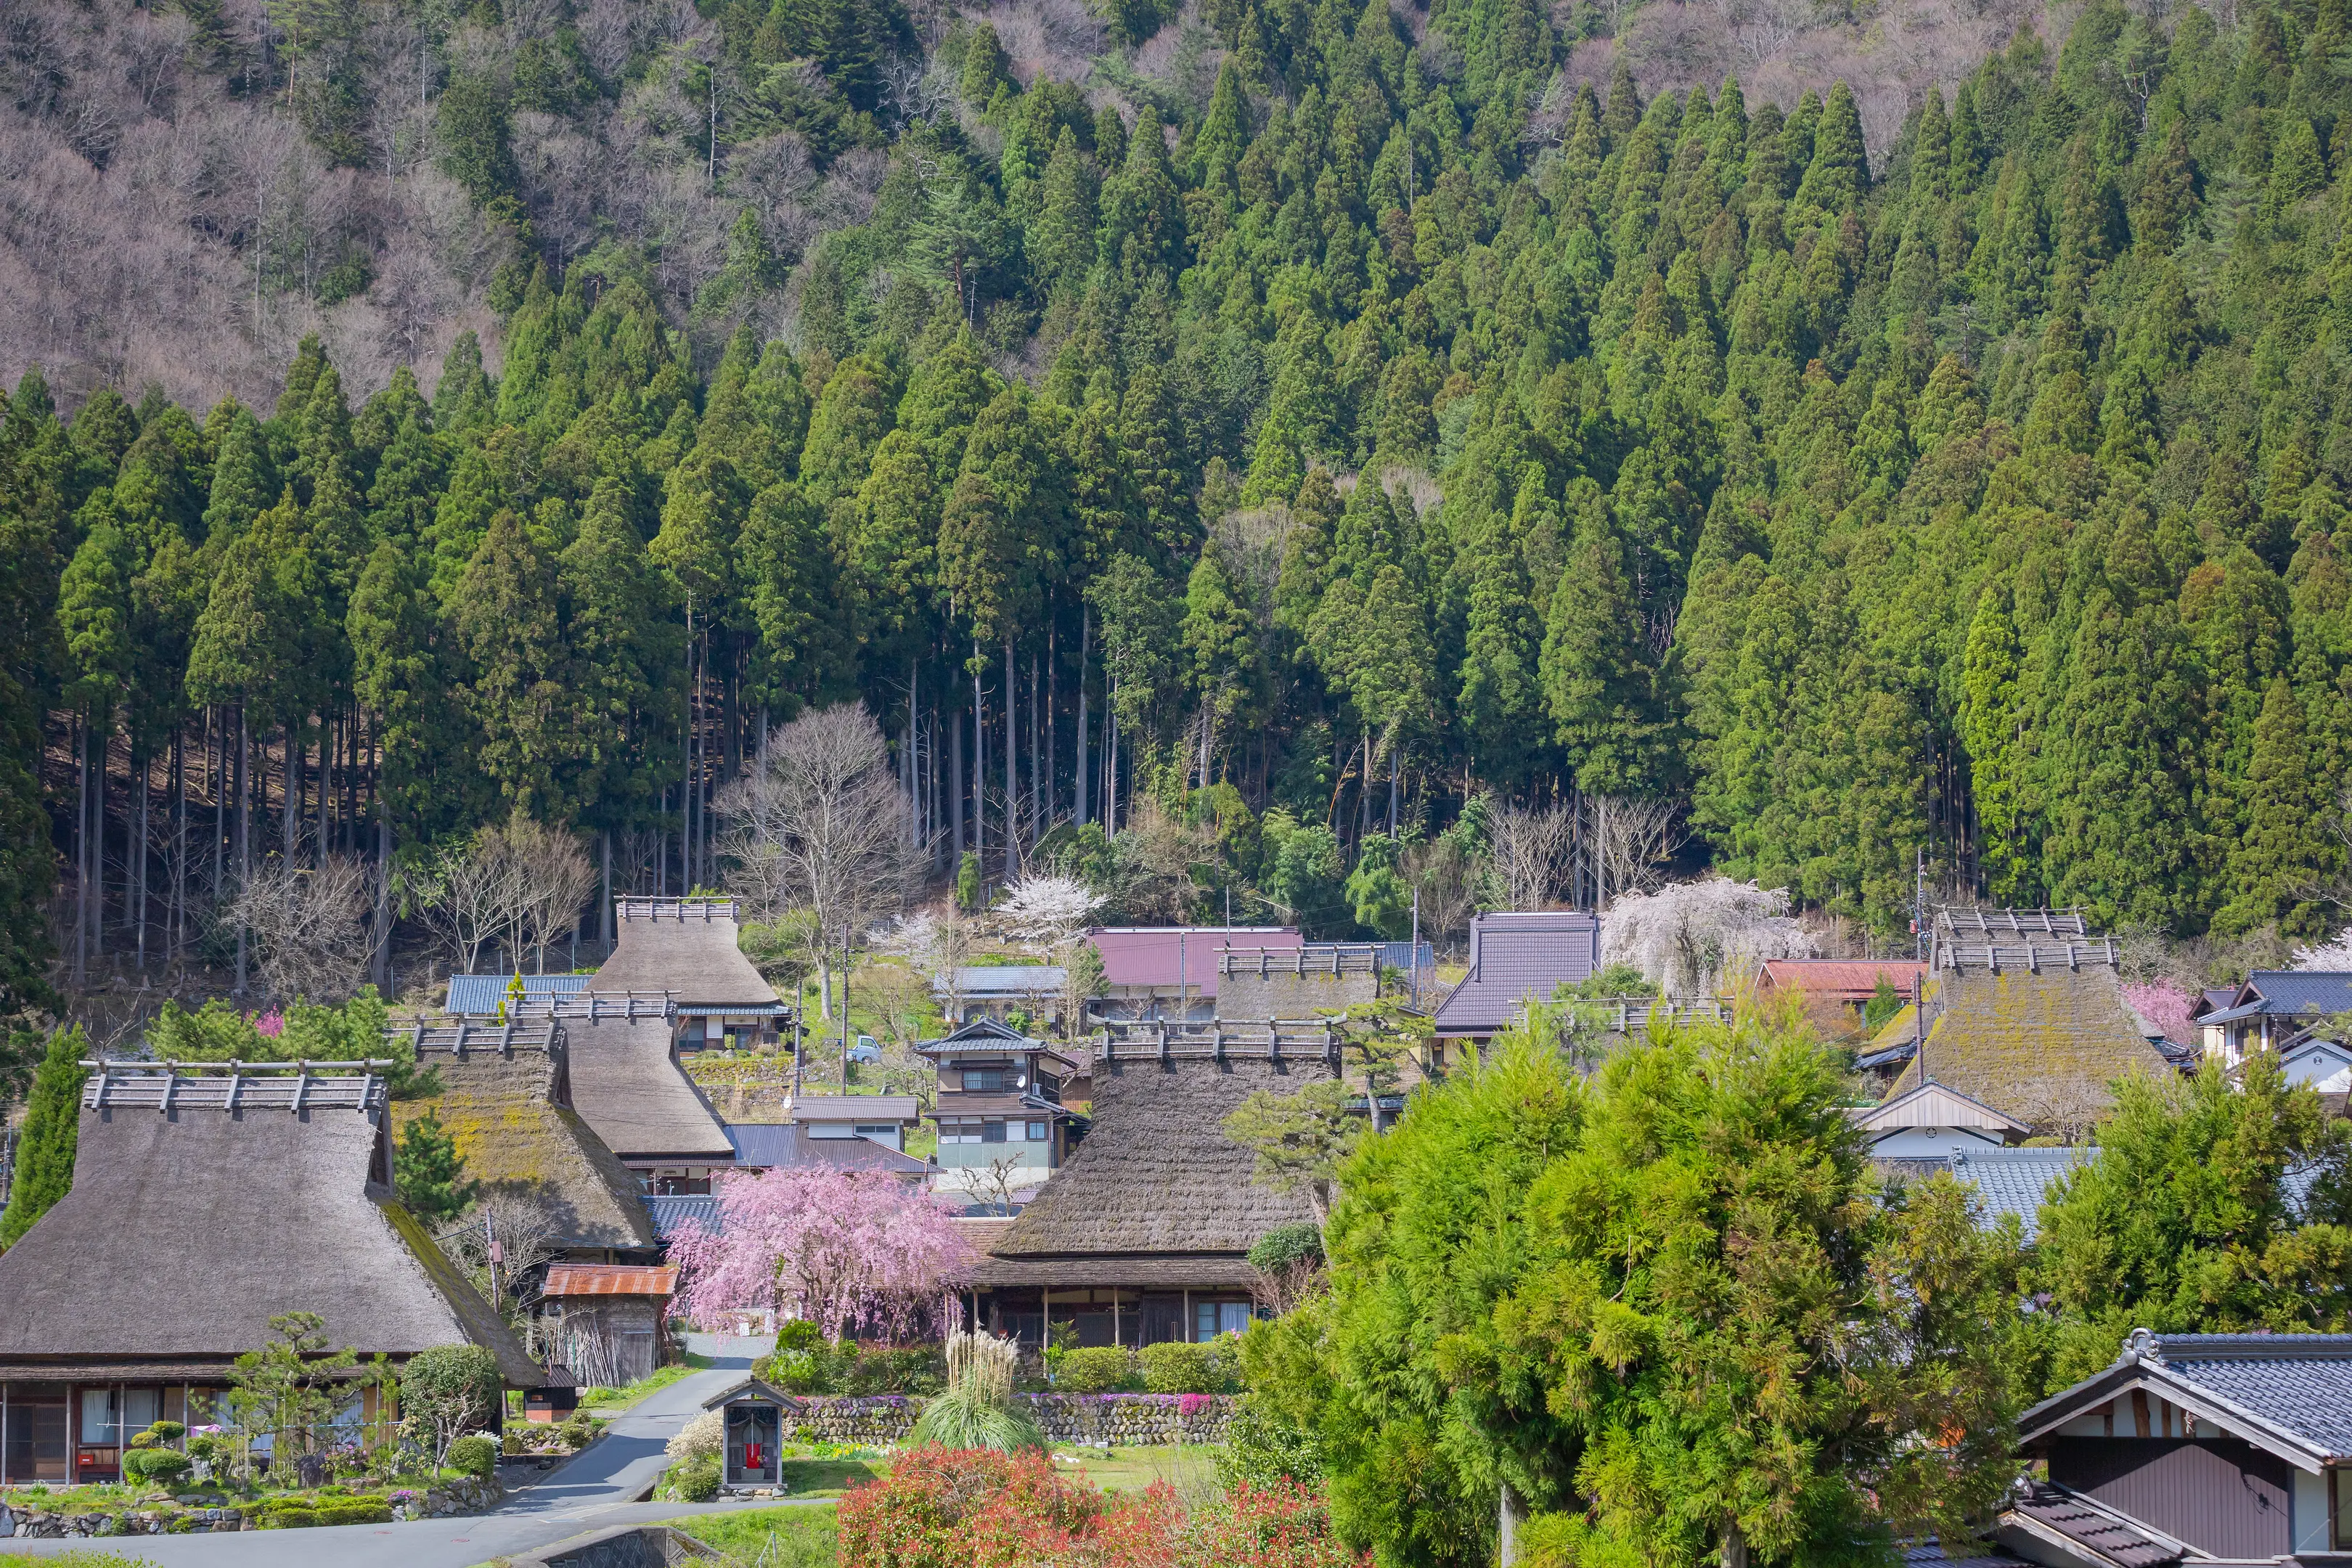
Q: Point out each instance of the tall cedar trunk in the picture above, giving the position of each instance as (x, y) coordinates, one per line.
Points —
(326, 785)
(98, 843)
(1078, 772)
(179, 844)
(146, 771)
(1011, 778)
(1053, 796)
(216, 766)
(604, 919)
(290, 795)
(380, 960)
(1392, 789)
(81, 850)
(1039, 762)
(1110, 759)
(955, 785)
(979, 767)
(243, 828)
(908, 761)
(661, 846)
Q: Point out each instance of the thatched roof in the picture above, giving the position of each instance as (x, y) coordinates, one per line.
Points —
(627, 1084)
(2039, 1048)
(188, 1228)
(685, 946)
(506, 1098)
(1157, 1193)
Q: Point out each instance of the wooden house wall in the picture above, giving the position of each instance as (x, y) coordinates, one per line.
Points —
(2224, 1496)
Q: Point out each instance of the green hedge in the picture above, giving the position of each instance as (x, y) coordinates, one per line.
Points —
(1097, 1369)
(1175, 1367)
(476, 1455)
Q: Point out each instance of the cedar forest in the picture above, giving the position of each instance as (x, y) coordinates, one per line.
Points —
(1389, 427)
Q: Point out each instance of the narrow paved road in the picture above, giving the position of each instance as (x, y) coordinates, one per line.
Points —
(591, 1491)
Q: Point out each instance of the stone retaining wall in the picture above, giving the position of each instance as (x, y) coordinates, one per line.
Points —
(1122, 1420)
(17, 1520)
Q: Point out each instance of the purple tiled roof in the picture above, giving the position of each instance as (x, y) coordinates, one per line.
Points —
(1515, 959)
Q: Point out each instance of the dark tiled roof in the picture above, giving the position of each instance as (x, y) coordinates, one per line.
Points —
(1169, 958)
(2101, 1530)
(672, 1215)
(1932, 1553)
(2298, 992)
(2016, 1181)
(480, 994)
(2301, 1383)
(770, 1144)
(1515, 959)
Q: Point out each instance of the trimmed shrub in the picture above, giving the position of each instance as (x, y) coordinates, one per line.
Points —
(161, 1466)
(450, 1389)
(1262, 1452)
(359, 1510)
(1287, 1246)
(1098, 1369)
(1175, 1367)
(697, 1480)
(476, 1455)
(289, 1518)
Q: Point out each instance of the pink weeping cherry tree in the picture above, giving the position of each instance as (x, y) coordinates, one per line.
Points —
(852, 1252)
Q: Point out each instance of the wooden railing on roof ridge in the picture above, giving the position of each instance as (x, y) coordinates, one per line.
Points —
(1632, 1013)
(2031, 956)
(478, 1032)
(2013, 923)
(166, 1086)
(1169, 1039)
(680, 909)
(1316, 958)
(597, 1006)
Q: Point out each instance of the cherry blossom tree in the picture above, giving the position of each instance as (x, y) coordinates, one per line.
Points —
(847, 1250)
(1691, 937)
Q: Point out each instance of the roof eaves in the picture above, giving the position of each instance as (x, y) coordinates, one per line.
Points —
(2123, 1377)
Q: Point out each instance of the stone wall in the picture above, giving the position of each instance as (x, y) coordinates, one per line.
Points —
(1121, 1420)
(444, 1499)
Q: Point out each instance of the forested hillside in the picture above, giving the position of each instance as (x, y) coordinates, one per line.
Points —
(1385, 426)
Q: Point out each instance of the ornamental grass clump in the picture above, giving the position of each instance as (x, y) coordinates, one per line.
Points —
(978, 1410)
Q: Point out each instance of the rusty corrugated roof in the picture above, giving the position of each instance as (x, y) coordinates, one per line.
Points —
(609, 1279)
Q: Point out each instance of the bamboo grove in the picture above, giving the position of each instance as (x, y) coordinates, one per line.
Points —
(1389, 427)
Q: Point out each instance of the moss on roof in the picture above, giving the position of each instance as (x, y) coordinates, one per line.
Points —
(2039, 1047)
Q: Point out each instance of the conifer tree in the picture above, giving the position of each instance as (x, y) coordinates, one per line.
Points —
(47, 1142)
(504, 616)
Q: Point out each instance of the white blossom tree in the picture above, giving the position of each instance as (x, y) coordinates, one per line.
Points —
(1692, 938)
(1043, 910)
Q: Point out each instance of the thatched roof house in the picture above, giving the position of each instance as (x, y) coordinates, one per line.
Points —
(202, 1206)
(1145, 1234)
(2023, 1012)
(627, 1084)
(506, 1100)
(688, 947)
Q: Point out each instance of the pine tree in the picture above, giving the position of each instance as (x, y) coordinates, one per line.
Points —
(429, 1172)
(48, 1137)
(504, 616)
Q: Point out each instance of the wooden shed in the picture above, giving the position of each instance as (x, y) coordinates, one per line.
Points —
(607, 1321)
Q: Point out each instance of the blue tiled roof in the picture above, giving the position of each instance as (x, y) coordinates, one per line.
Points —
(2300, 1383)
(478, 996)
(2296, 991)
(2015, 1181)
(672, 1215)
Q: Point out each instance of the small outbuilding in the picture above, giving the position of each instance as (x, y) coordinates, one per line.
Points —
(606, 1321)
(754, 1413)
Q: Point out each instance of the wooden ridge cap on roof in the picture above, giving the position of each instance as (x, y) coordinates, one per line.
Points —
(515, 1033)
(117, 1084)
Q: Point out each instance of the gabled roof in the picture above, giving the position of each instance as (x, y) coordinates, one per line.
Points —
(2299, 993)
(1845, 979)
(673, 1214)
(506, 1100)
(189, 1227)
(1515, 959)
(992, 980)
(627, 1084)
(903, 1108)
(2290, 1395)
(479, 995)
(768, 1145)
(2084, 1528)
(1157, 1191)
(1933, 1105)
(750, 1388)
(609, 1279)
(986, 1036)
(685, 946)
(1170, 958)
(2040, 1048)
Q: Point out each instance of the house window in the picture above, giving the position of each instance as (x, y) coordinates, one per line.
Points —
(993, 1132)
(885, 1131)
(959, 1129)
(1037, 1131)
(987, 1080)
(1211, 1318)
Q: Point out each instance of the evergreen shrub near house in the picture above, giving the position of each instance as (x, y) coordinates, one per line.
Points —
(1098, 1369)
(161, 1466)
(46, 1143)
(1175, 1367)
(476, 1455)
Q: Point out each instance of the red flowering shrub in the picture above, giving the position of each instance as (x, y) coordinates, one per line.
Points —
(974, 1509)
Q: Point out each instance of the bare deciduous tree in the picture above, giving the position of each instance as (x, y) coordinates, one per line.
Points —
(555, 879)
(821, 824)
(1632, 839)
(1531, 847)
(519, 885)
(308, 925)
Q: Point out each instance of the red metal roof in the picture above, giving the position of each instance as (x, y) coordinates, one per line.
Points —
(1851, 980)
(609, 1279)
(1148, 955)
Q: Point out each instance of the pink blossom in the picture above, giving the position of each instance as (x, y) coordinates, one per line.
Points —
(847, 1250)
(269, 1024)
(2166, 1006)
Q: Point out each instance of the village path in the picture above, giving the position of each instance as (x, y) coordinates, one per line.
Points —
(591, 1492)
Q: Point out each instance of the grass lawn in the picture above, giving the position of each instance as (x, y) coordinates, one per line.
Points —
(773, 1537)
(612, 1401)
(830, 1478)
(1188, 1467)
